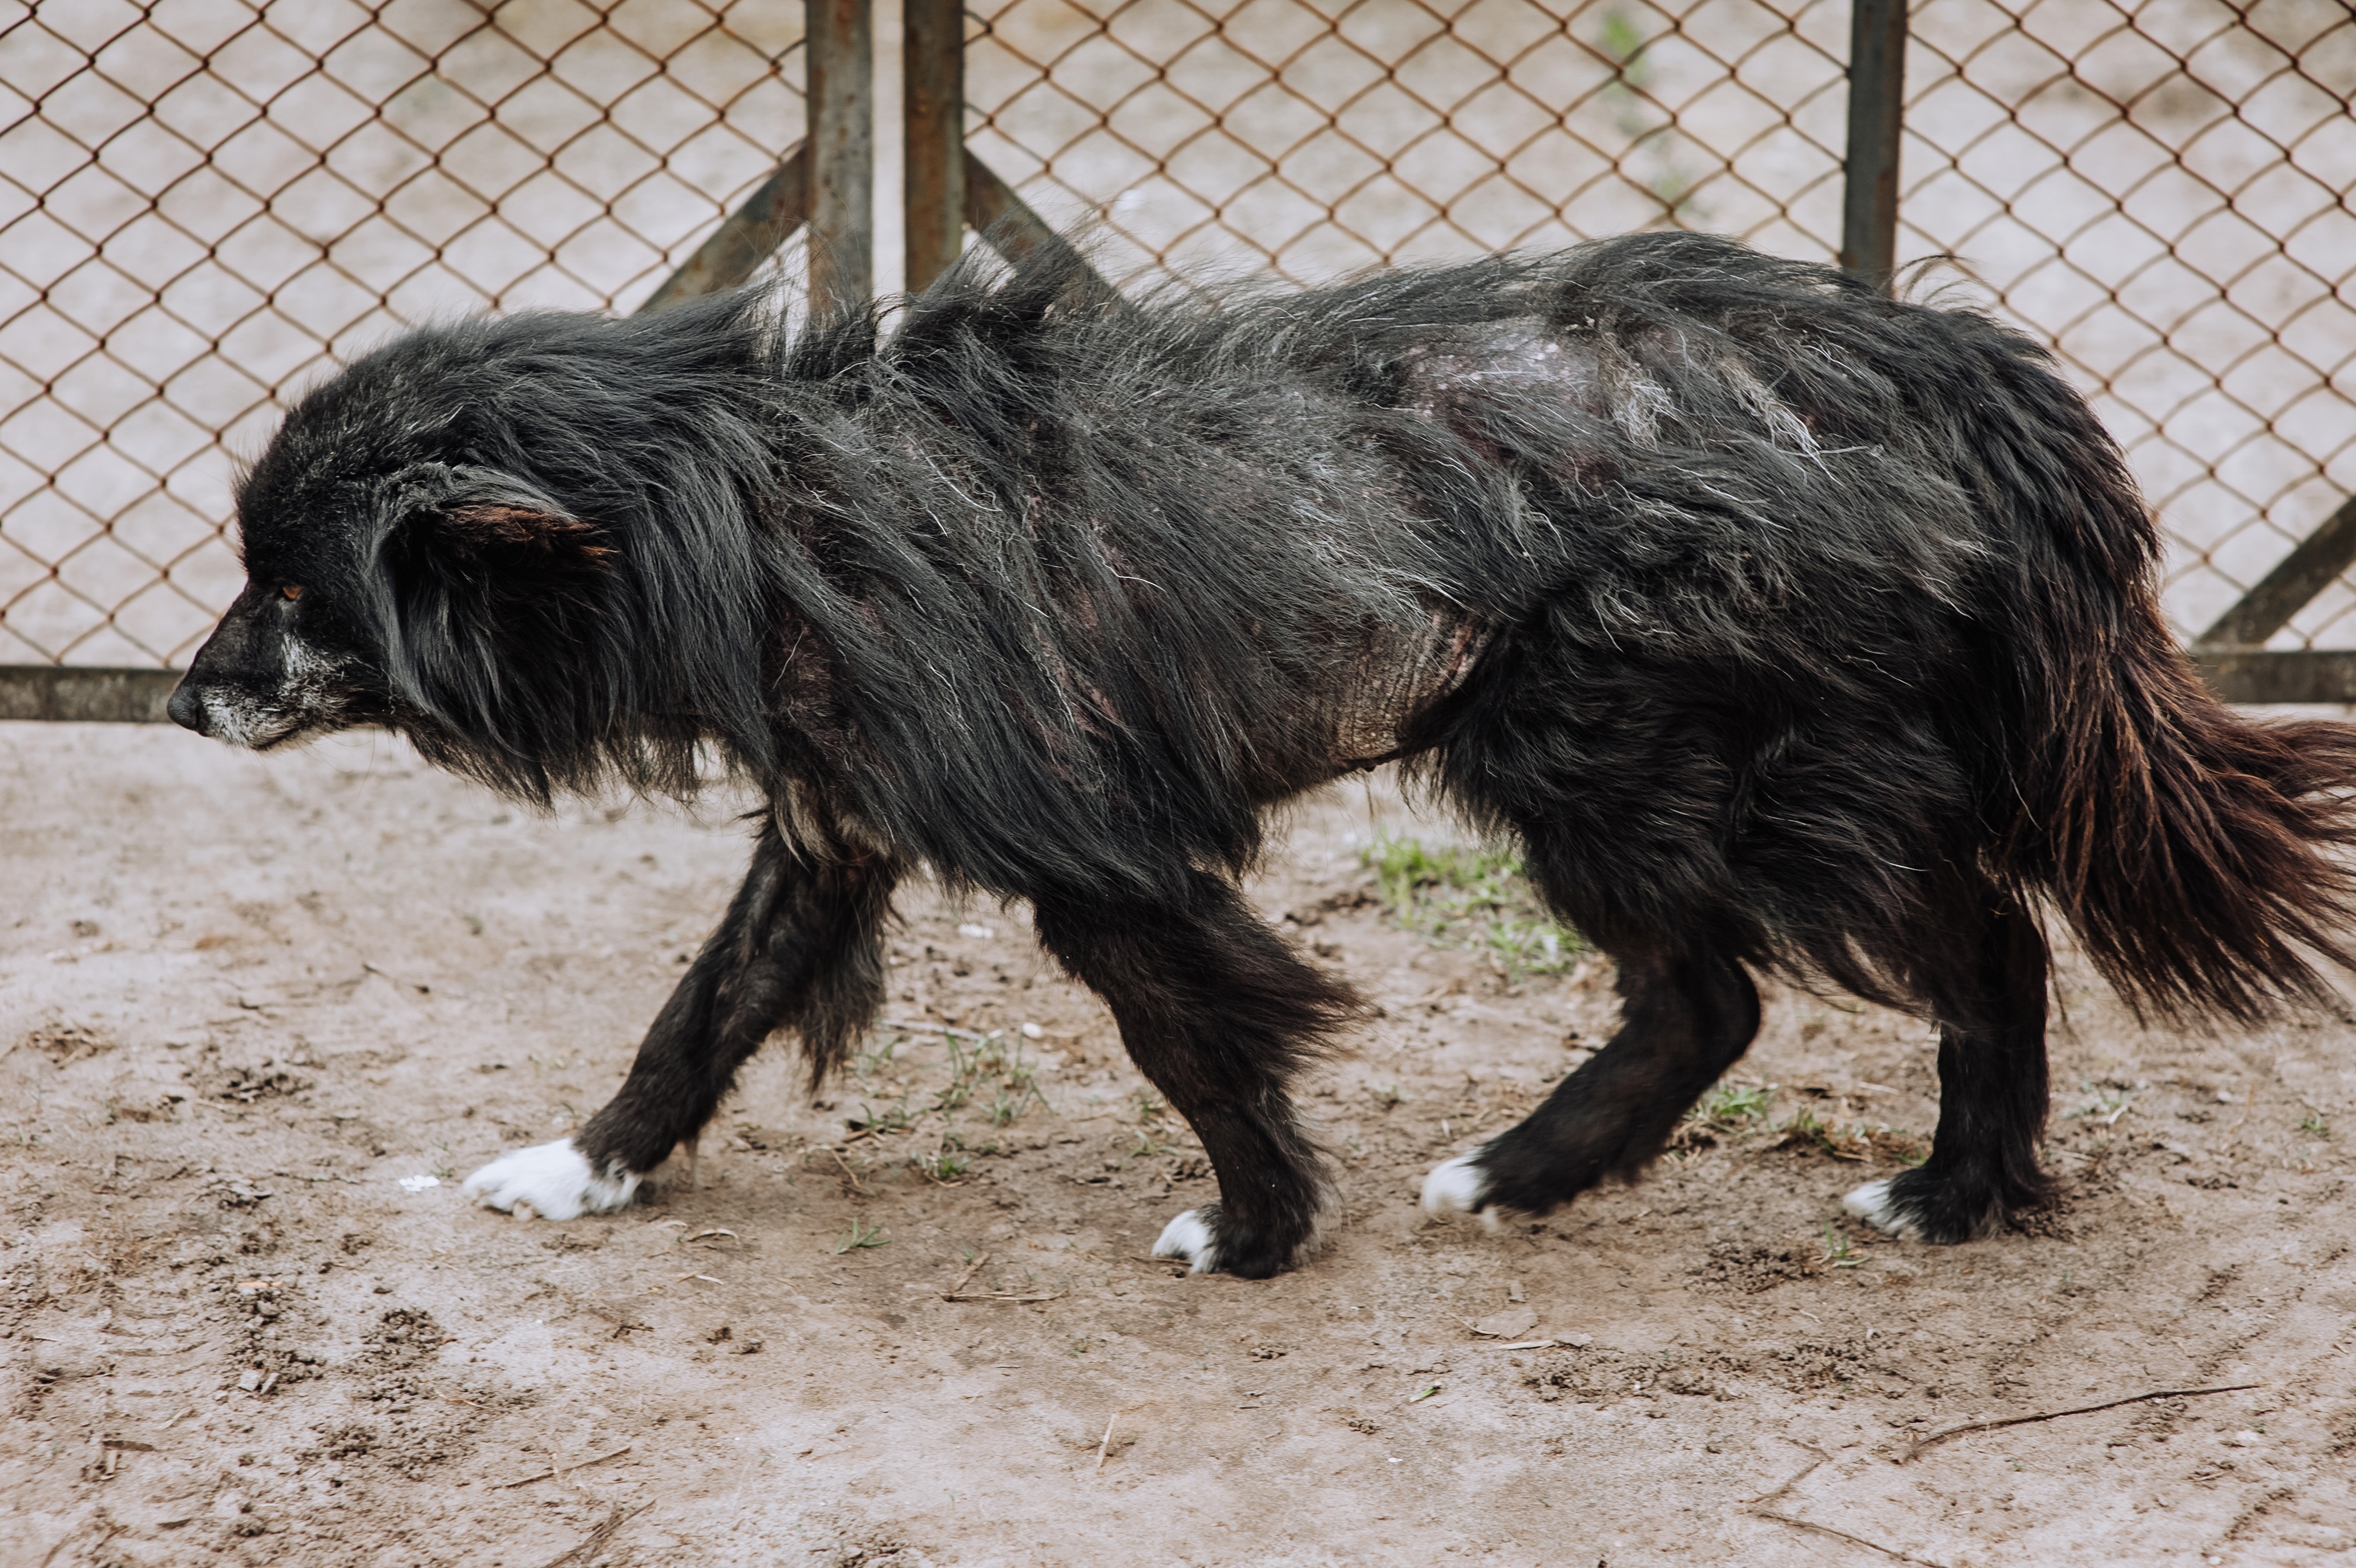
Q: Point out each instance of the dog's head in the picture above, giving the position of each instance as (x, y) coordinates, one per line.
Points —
(525, 543)
(391, 580)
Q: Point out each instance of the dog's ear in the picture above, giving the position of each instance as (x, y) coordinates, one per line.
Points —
(486, 596)
(493, 528)
(474, 517)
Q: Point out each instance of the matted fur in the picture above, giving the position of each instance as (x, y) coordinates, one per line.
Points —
(1782, 624)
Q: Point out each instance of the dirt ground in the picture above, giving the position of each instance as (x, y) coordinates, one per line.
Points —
(251, 1007)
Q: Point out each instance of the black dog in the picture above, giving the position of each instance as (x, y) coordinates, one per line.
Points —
(1782, 625)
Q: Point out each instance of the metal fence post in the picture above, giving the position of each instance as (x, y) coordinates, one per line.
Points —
(932, 59)
(842, 154)
(1876, 91)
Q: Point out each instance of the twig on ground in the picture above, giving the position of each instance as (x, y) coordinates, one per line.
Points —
(2232, 1134)
(563, 1470)
(110, 1535)
(598, 1537)
(1823, 1459)
(931, 1028)
(848, 1174)
(970, 1270)
(1972, 1426)
(998, 1295)
(1103, 1447)
(1889, 1551)
(1757, 1507)
(1179, 1263)
(418, 986)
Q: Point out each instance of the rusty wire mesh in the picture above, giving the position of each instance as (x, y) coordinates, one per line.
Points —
(205, 205)
(202, 203)
(2163, 191)
(1308, 137)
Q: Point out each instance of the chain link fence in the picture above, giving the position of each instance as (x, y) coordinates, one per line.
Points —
(1311, 140)
(2163, 191)
(207, 206)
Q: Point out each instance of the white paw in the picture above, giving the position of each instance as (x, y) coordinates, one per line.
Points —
(1455, 1188)
(1189, 1238)
(553, 1180)
(1871, 1203)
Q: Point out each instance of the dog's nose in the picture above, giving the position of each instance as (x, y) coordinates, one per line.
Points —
(187, 709)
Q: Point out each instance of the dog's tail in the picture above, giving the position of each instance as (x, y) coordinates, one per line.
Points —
(2197, 854)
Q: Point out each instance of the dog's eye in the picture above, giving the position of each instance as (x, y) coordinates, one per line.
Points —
(292, 590)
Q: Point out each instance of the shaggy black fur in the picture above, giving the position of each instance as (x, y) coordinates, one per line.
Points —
(1783, 626)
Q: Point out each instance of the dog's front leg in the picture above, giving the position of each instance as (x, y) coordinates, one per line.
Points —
(799, 947)
(1218, 1014)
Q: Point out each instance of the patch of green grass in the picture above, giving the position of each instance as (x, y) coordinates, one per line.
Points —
(1147, 1147)
(1856, 1144)
(989, 1073)
(1731, 1105)
(860, 1236)
(885, 1123)
(2315, 1126)
(942, 1165)
(868, 1064)
(1471, 898)
(2108, 1105)
(1807, 1128)
(1527, 946)
(1838, 1253)
(944, 1105)
(995, 1063)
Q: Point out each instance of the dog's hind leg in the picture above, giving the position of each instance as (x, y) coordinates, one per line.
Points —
(1218, 1014)
(800, 946)
(1992, 1091)
(1686, 1018)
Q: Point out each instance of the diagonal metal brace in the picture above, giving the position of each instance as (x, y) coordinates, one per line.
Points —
(769, 217)
(775, 212)
(2290, 586)
(1022, 236)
